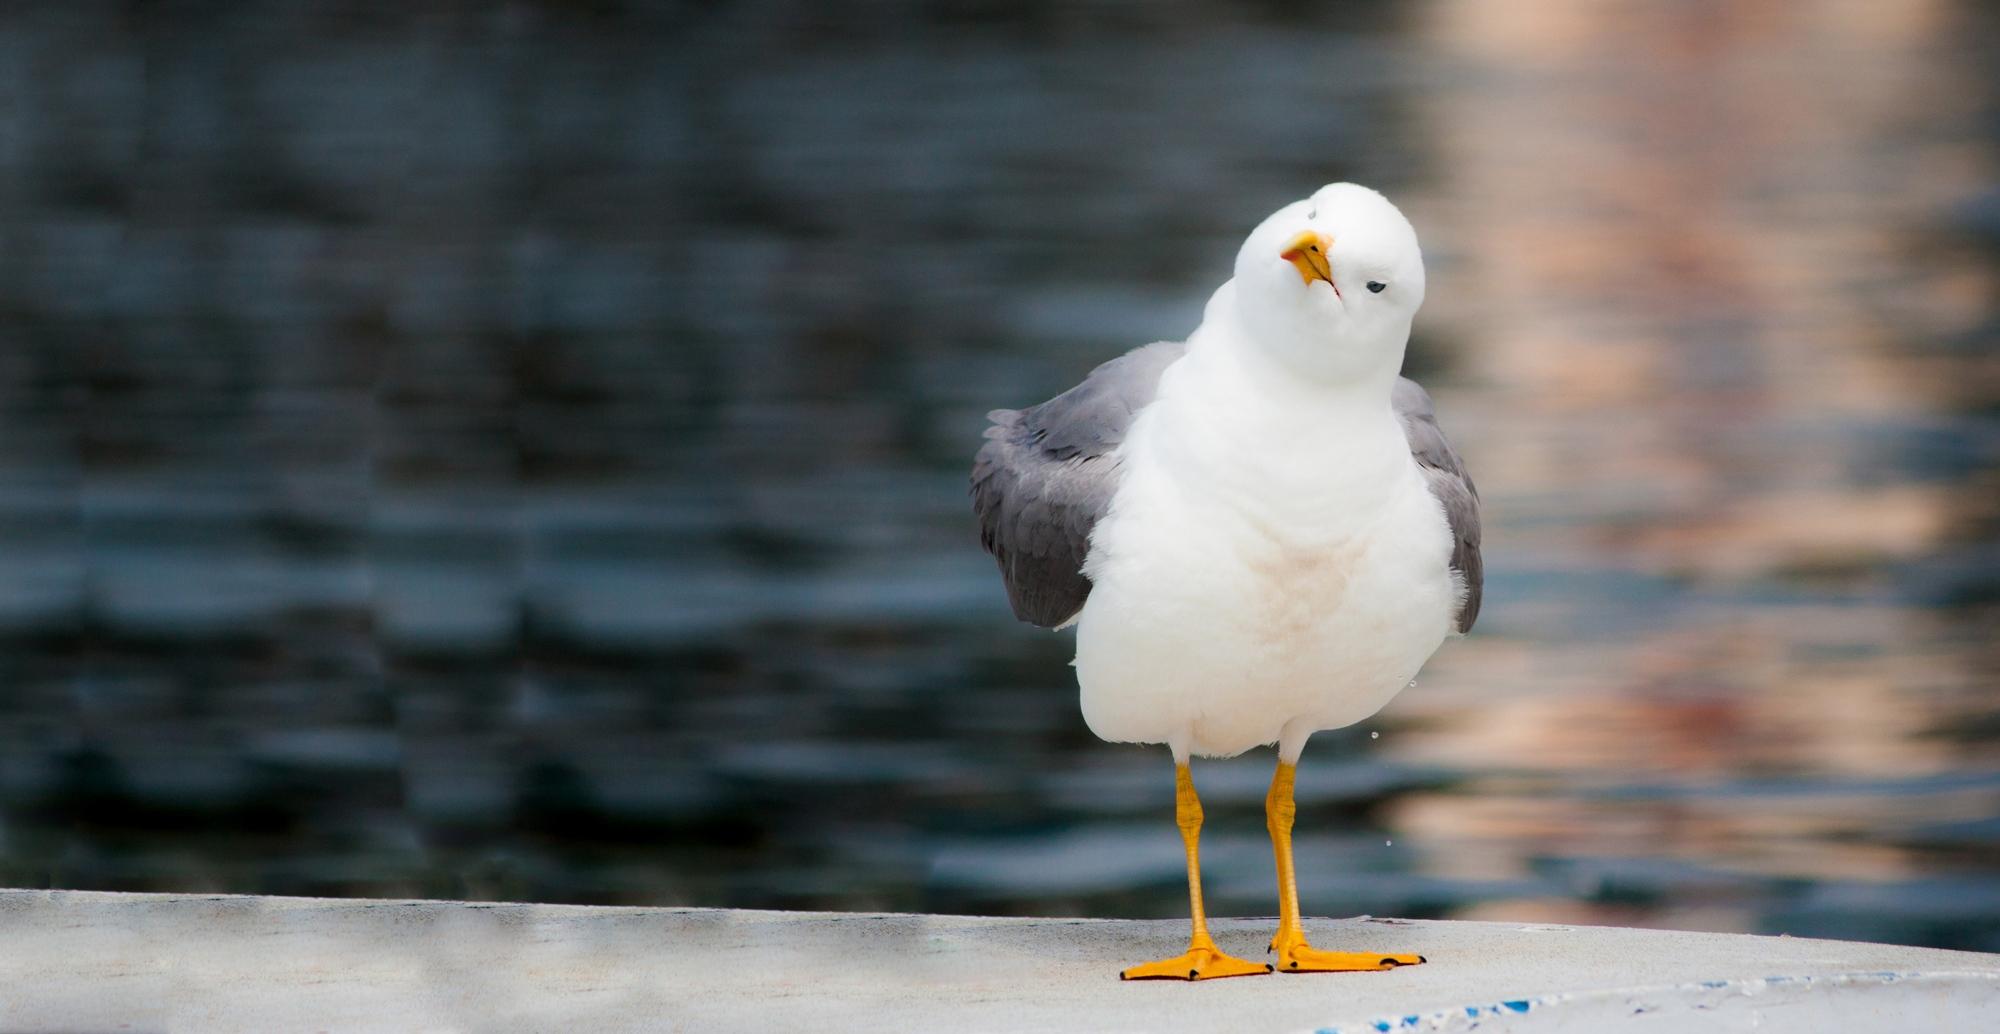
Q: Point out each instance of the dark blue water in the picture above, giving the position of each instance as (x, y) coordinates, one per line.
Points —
(520, 454)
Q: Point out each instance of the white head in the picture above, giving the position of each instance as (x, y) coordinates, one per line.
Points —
(1329, 285)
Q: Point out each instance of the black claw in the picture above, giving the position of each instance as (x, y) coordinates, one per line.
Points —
(1194, 974)
(1421, 959)
(1268, 968)
(1295, 964)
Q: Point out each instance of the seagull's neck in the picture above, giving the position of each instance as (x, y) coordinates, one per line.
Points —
(1227, 350)
(1237, 420)
(1272, 378)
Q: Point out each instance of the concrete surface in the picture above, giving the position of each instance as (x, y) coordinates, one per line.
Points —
(74, 961)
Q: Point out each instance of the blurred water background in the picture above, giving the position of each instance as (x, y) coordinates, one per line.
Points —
(518, 451)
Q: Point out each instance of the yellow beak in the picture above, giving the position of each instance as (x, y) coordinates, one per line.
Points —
(1308, 251)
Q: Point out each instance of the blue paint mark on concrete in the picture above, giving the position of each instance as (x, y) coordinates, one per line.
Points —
(1680, 996)
(1444, 1020)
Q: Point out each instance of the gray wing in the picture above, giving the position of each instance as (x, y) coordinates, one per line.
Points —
(1047, 473)
(1452, 486)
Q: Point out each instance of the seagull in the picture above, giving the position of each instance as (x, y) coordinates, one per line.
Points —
(1258, 533)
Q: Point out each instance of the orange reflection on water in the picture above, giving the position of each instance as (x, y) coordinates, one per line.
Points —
(1687, 255)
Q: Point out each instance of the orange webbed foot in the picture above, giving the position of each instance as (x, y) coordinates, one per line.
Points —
(1202, 961)
(1296, 956)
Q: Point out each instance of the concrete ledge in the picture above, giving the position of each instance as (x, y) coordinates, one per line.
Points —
(88, 961)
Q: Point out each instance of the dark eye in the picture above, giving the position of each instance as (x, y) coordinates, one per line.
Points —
(1376, 286)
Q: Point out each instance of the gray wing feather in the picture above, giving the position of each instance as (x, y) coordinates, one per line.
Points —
(1047, 474)
(1452, 486)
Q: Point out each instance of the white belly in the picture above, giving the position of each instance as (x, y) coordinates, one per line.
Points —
(1220, 620)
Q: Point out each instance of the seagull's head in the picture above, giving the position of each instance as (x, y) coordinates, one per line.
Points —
(1331, 283)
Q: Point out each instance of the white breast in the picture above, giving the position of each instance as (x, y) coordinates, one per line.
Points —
(1265, 570)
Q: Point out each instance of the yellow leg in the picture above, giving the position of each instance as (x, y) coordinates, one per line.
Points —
(1294, 954)
(1203, 960)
